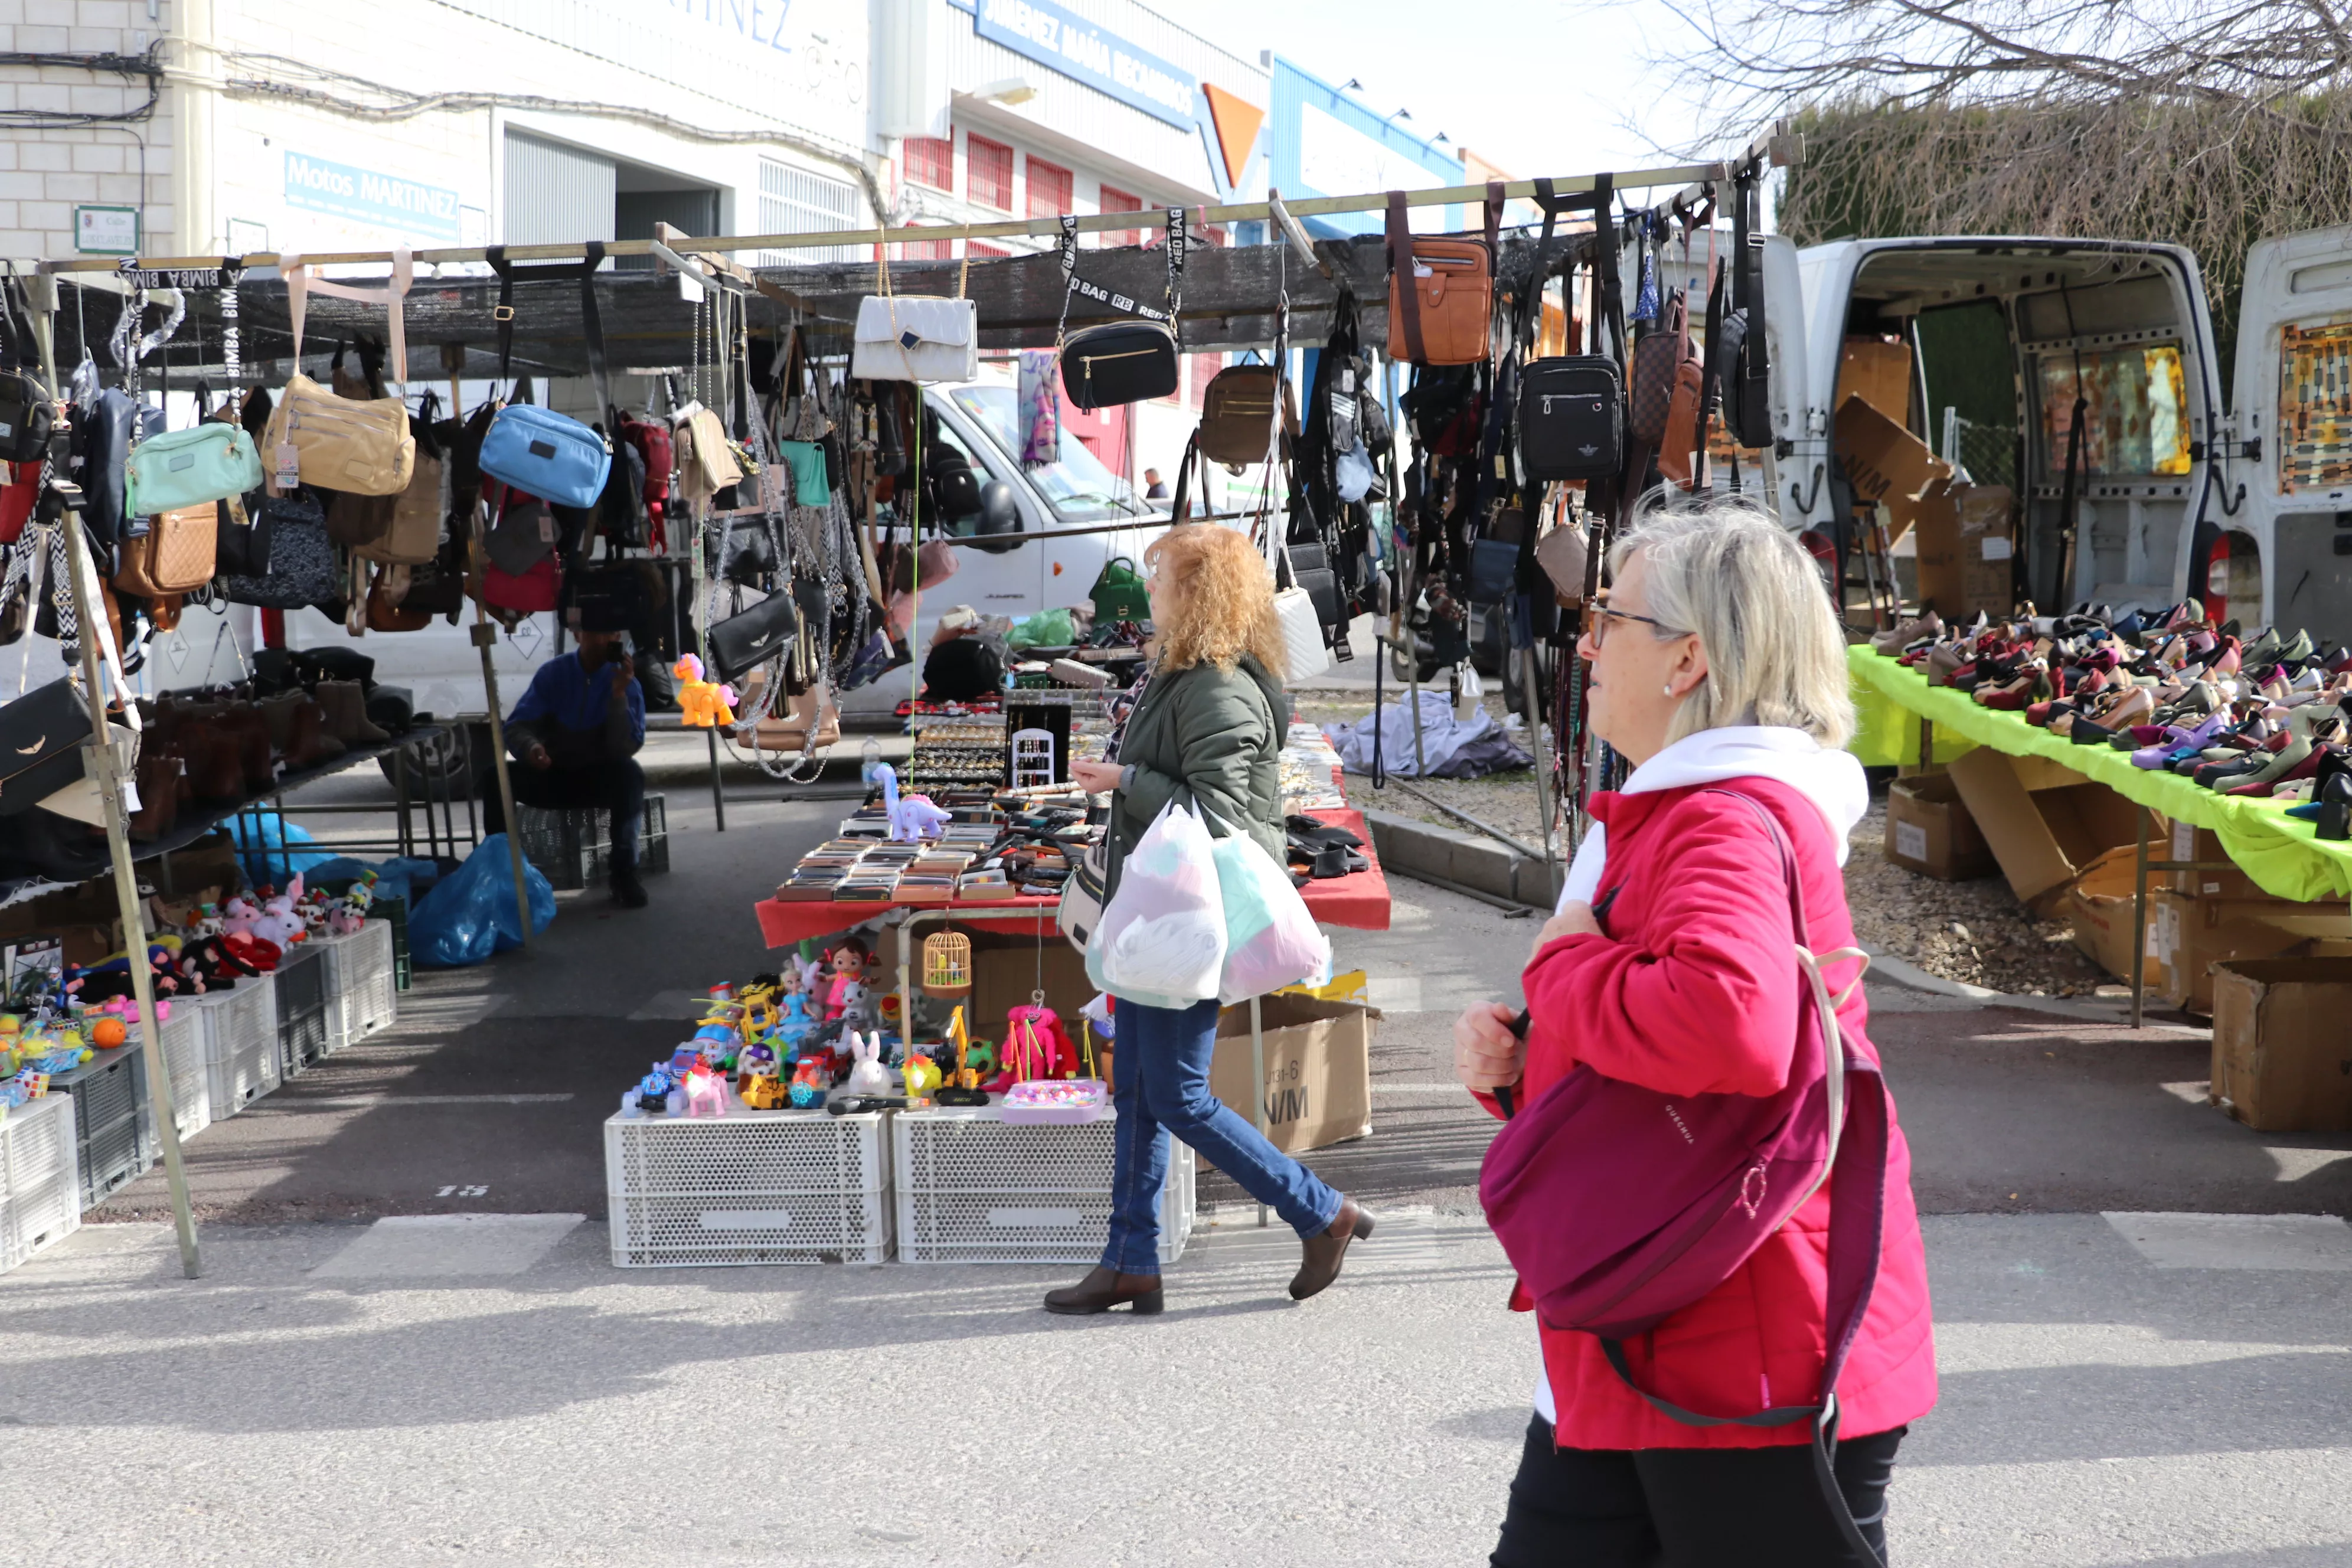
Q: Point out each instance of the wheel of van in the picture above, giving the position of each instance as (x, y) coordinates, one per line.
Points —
(444, 763)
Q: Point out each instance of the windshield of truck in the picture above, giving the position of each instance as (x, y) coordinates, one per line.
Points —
(1079, 487)
(2137, 421)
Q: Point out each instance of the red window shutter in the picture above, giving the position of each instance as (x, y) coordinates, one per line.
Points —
(931, 161)
(1117, 201)
(987, 172)
(1049, 189)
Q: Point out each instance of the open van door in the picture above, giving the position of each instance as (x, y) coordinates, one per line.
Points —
(2293, 455)
(1801, 418)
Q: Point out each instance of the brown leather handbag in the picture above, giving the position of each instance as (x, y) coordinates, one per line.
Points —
(1658, 360)
(1441, 291)
(389, 613)
(174, 556)
(360, 521)
(1237, 415)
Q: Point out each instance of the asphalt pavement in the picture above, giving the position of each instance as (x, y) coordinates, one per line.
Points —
(410, 1346)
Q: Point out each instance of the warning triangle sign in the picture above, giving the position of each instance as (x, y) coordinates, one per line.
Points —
(1237, 121)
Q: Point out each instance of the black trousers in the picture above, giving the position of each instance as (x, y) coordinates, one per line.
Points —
(616, 784)
(1690, 1508)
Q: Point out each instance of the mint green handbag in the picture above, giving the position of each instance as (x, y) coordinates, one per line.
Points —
(190, 467)
(810, 484)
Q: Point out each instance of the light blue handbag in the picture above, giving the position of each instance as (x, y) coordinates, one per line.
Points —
(190, 467)
(551, 456)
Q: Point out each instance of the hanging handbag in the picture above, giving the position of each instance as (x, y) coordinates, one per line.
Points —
(1237, 415)
(357, 444)
(750, 637)
(531, 591)
(387, 613)
(302, 569)
(523, 535)
(241, 545)
(1658, 362)
(105, 427)
(175, 556)
(1441, 291)
(706, 460)
(536, 450)
(1119, 362)
(1494, 572)
(41, 739)
(915, 337)
(412, 535)
(354, 521)
(1118, 593)
(190, 467)
(1571, 417)
(1562, 553)
(27, 414)
(18, 499)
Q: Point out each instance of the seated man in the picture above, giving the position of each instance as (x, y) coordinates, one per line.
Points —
(576, 733)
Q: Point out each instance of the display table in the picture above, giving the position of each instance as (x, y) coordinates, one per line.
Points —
(2278, 852)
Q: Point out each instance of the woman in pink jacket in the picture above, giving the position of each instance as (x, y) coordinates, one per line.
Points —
(1716, 666)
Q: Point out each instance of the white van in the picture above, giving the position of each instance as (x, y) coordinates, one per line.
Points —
(2176, 496)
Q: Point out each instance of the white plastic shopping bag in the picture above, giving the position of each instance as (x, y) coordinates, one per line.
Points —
(1270, 941)
(1161, 938)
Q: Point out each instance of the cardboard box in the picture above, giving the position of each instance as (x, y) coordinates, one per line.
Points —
(2099, 904)
(1878, 370)
(1988, 542)
(1886, 464)
(1318, 1069)
(2190, 936)
(2043, 823)
(2282, 1056)
(2179, 841)
(1930, 832)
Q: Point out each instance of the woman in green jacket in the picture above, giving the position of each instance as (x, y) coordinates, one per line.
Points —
(1206, 734)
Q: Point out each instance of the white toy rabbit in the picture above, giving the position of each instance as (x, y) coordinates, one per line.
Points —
(867, 1075)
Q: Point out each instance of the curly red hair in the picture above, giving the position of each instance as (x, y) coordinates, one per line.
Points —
(1221, 595)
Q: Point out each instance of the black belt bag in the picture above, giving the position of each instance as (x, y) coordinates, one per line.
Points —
(1117, 363)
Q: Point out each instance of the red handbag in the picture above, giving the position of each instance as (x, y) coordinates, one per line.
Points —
(530, 593)
(16, 500)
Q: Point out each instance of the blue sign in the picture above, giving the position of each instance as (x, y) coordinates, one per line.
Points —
(426, 211)
(1075, 46)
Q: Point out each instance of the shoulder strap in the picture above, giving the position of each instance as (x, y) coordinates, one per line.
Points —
(1178, 239)
(299, 282)
(592, 323)
(1400, 276)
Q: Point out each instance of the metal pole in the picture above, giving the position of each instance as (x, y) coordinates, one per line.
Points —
(2139, 921)
(718, 784)
(486, 639)
(1527, 684)
(42, 295)
(1257, 1083)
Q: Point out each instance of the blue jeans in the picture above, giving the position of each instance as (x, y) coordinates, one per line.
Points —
(1160, 1069)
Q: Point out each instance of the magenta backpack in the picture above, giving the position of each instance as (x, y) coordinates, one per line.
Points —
(1619, 1205)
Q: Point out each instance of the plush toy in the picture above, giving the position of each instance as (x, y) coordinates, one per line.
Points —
(206, 922)
(703, 704)
(343, 919)
(1036, 1045)
(867, 1075)
(855, 1004)
(239, 915)
(281, 922)
(912, 819)
(259, 954)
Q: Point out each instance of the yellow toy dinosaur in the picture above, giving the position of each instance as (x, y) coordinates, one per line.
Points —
(704, 704)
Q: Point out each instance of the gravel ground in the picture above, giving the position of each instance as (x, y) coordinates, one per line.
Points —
(1975, 932)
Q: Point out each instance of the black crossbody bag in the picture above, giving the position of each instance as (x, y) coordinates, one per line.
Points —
(1121, 361)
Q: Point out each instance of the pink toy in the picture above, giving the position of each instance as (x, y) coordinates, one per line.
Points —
(238, 916)
(1036, 1045)
(706, 1092)
(127, 1009)
(344, 919)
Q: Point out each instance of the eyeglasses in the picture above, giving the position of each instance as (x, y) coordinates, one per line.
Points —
(1601, 615)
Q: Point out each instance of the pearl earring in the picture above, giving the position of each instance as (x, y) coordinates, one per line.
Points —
(1668, 689)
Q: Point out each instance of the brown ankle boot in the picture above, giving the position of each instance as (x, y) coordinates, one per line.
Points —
(1325, 1253)
(346, 707)
(1103, 1288)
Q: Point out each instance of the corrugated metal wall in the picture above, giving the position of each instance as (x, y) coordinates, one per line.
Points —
(556, 192)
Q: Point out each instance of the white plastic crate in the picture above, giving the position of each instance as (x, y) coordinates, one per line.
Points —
(184, 1052)
(362, 990)
(754, 1186)
(240, 1045)
(974, 1189)
(40, 1185)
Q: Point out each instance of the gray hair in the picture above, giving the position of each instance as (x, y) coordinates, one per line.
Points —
(1732, 572)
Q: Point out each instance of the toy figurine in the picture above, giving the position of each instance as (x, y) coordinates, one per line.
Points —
(653, 1090)
(1036, 1045)
(766, 1092)
(702, 704)
(849, 959)
(706, 1093)
(795, 1023)
(810, 1083)
(754, 1060)
(923, 1077)
(856, 1006)
(205, 922)
(867, 1075)
(913, 819)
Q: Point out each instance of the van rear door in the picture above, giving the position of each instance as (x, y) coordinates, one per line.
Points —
(2293, 454)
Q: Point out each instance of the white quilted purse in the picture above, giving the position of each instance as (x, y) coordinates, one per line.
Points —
(916, 337)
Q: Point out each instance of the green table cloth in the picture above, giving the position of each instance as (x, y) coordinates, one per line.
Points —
(2276, 850)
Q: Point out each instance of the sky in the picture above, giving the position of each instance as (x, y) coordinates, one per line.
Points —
(1578, 102)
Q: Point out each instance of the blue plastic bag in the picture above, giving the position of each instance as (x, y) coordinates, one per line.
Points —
(271, 854)
(470, 913)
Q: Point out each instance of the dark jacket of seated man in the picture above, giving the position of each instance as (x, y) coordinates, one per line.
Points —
(576, 732)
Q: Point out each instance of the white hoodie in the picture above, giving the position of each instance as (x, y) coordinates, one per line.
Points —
(1832, 781)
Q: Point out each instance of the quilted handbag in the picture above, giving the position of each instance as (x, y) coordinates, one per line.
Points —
(915, 337)
(190, 467)
(549, 454)
(175, 556)
(301, 561)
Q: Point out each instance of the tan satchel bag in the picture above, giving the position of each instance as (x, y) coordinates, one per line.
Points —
(174, 556)
(362, 447)
(1237, 415)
